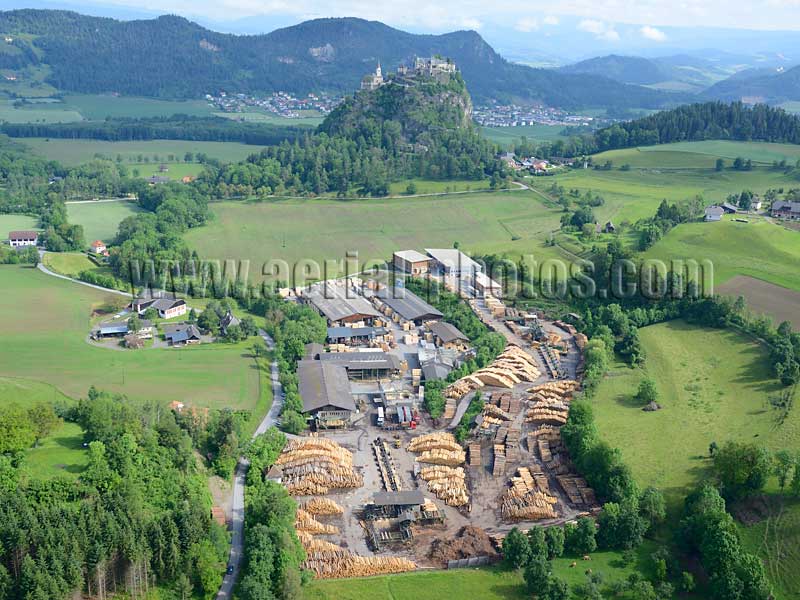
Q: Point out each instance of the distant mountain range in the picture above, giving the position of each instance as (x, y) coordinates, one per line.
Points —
(171, 57)
(759, 85)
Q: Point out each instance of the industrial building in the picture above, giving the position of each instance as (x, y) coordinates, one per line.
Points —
(403, 305)
(325, 391)
(364, 365)
(356, 336)
(449, 336)
(450, 262)
(411, 262)
(340, 304)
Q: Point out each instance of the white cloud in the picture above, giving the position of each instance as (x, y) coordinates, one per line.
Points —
(471, 23)
(527, 24)
(550, 20)
(653, 34)
(601, 30)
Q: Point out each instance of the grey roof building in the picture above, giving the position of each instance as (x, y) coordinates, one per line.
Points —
(408, 305)
(340, 304)
(324, 386)
(181, 333)
(363, 365)
(447, 332)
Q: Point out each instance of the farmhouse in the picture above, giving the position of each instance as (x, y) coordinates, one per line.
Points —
(412, 262)
(121, 329)
(229, 320)
(158, 179)
(325, 391)
(99, 247)
(18, 239)
(449, 336)
(403, 305)
(452, 262)
(168, 308)
(181, 334)
(714, 213)
(782, 209)
(340, 304)
(729, 208)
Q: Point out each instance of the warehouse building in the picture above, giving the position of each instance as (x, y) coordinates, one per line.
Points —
(340, 304)
(411, 262)
(403, 305)
(325, 391)
(450, 262)
(364, 365)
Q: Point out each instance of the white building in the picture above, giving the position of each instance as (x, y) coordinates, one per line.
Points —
(486, 286)
(450, 262)
(18, 239)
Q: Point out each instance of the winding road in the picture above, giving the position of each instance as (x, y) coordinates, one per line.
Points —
(240, 475)
(44, 269)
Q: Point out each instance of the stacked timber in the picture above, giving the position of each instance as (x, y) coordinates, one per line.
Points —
(499, 463)
(438, 440)
(343, 563)
(449, 408)
(495, 411)
(447, 484)
(512, 366)
(450, 458)
(577, 490)
(549, 414)
(475, 454)
(322, 506)
(306, 523)
(526, 500)
(313, 466)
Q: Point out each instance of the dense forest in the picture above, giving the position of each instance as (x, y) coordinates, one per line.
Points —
(176, 127)
(692, 122)
(170, 57)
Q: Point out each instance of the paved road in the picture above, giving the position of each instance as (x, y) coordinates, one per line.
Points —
(237, 505)
(44, 269)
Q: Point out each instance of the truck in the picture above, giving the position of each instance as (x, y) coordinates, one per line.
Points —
(380, 417)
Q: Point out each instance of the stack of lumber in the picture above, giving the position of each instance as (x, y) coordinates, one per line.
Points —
(449, 408)
(343, 563)
(306, 523)
(450, 458)
(495, 411)
(563, 388)
(475, 454)
(312, 544)
(447, 484)
(581, 340)
(526, 500)
(499, 463)
(322, 506)
(514, 406)
(313, 466)
(576, 489)
(552, 415)
(512, 366)
(438, 440)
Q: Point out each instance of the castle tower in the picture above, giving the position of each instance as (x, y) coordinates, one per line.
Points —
(378, 73)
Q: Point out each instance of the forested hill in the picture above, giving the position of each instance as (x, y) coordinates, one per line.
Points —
(765, 86)
(693, 122)
(172, 57)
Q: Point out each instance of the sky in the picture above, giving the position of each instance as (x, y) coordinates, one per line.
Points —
(595, 17)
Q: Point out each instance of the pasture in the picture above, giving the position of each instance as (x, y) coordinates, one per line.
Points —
(98, 107)
(312, 119)
(758, 249)
(37, 112)
(492, 583)
(319, 229)
(100, 220)
(68, 263)
(75, 152)
(176, 171)
(713, 385)
(45, 323)
(506, 136)
(10, 223)
(762, 297)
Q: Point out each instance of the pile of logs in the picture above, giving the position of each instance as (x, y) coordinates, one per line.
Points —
(329, 561)
(306, 523)
(446, 483)
(499, 463)
(322, 506)
(475, 454)
(512, 366)
(552, 415)
(561, 389)
(449, 409)
(437, 440)
(450, 458)
(313, 466)
(576, 489)
(528, 498)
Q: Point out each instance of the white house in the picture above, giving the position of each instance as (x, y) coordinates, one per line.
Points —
(714, 213)
(18, 239)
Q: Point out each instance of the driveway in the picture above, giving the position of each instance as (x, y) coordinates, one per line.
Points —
(240, 475)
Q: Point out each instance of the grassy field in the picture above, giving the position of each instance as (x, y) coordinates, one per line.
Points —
(100, 220)
(636, 194)
(505, 136)
(75, 152)
(176, 170)
(98, 107)
(10, 223)
(476, 584)
(67, 263)
(255, 116)
(758, 249)
(713, 385)
(425, 186)
(45, 322)
(37, 113)
(61, 453)
(321, 229)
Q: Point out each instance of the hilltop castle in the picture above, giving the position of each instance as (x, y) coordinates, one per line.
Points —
(439, 69)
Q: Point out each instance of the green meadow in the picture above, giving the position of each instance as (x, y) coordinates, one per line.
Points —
(98, 107)
(713, 385)
(492, 583)
(516, 222)
(45, 323)
(10, 223)
(506, 136)
(75, 152)
(100, 220)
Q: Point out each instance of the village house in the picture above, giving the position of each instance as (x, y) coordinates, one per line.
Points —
(168, 308)
(781, 209)
(412, 262)
(756, 204)
(228, 321)
(99, 248)
(181, 334)
(19, 239)
(714, 213)
(158, 180)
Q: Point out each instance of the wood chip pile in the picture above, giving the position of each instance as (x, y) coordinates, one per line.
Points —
(306, 523)
(512, 366)
(322, 506)
(446, 483)
(528, 498)
(313, 466)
